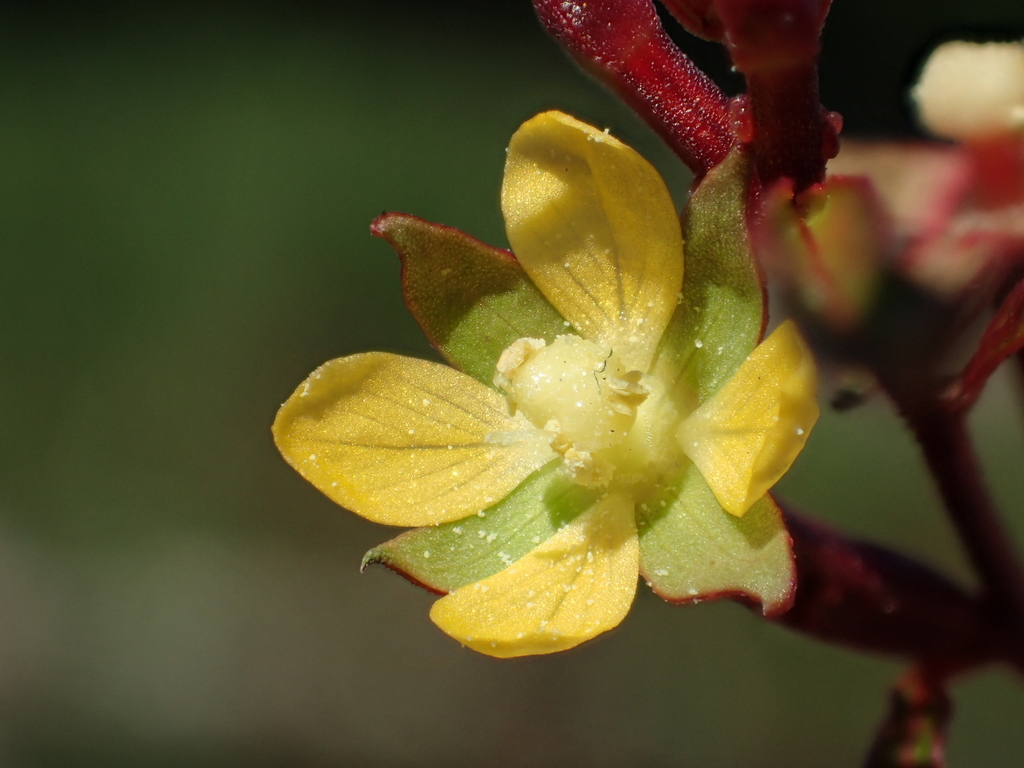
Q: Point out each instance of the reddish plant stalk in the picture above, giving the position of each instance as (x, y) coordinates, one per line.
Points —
(622, 44)
(869, 598)
(999, 167)
(792, 138)
(775, 44)
(1003, 337)
(944, 440)
(1018, 365)
(914, 731)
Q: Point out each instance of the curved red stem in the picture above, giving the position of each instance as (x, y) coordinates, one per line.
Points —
(622, 43)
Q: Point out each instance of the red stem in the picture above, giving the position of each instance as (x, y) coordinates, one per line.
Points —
(622, 44)
(947, 449)
(1003, 337)
(775, 44)
(1018, 362)
(792, 138)
(914, 731)
(867, 597)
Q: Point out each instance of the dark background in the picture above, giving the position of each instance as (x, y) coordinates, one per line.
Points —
(185, 192)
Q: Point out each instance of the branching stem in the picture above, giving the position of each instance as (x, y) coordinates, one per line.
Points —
(947, 448)
(789, 126)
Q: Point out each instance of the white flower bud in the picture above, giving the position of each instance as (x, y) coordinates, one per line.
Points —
(970, 91)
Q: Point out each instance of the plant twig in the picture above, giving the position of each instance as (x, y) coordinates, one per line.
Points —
(913, 733)
(943, 436)
(622, 44)
(792, 136)
(1004, 337)
(775, 44)
(868, 597)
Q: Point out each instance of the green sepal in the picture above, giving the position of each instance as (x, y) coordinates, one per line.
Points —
(471, 300)
(692, 549)
(448, 556)
(721, 314)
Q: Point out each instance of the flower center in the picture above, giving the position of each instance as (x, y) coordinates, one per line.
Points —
(579, 393)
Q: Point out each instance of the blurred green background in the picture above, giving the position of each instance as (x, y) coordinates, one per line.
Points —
(185, 193)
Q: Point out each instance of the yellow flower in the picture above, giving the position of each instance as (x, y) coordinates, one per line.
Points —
(584, 434)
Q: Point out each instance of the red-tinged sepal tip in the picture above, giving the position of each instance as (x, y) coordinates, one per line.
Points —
(767, 35)
(472, 300)
(967, 261)
(381, 556)
(973, 239)
(830, 244)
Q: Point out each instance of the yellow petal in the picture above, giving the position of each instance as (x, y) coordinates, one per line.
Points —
(576, 585)
(745, 437)
(402, 441)
(596, 230)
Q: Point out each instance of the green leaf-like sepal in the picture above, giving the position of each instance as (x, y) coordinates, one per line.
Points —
(471, 300)
(694, 550)
(721, 315)
(446, 557)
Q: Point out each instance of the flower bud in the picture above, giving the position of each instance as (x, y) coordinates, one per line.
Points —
(972, 91)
